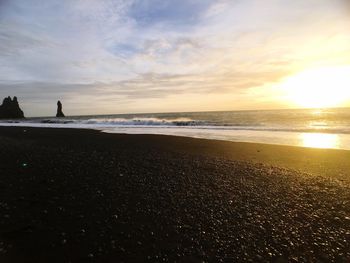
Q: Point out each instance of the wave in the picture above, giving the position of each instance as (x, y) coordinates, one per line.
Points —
(144, 122)
(163, 123)
(335, 121)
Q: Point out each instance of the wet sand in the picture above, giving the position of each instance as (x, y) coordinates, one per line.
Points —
(80, 195)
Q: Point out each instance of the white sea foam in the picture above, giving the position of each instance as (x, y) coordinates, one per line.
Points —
(328, 128)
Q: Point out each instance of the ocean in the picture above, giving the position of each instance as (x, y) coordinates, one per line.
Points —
(318, 128)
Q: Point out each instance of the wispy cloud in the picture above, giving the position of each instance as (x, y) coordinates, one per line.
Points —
(147, 55)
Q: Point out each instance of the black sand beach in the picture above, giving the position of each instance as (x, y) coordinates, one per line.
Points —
(81, 195)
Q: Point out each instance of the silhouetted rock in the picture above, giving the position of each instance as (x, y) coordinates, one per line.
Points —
(59, 110)
(9, 109)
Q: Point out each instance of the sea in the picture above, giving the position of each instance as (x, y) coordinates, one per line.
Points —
(316, 128)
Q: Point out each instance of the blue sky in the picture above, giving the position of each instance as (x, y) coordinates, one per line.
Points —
(116, 56)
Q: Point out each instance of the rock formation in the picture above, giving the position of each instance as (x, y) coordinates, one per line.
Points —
(10, 109)
(59, 110)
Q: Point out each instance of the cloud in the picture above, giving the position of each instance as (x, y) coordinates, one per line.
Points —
(135, 52)
(98, 96)
(168, 13)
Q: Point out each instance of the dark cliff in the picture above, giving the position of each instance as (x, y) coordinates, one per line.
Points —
(9, 109)
(59, 110)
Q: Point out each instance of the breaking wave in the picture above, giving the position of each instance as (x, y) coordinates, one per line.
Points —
(185, 123)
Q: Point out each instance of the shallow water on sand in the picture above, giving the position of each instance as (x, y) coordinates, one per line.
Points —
(318, 128)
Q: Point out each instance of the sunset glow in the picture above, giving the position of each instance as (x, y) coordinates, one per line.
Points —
(122, 56)
(319, 88)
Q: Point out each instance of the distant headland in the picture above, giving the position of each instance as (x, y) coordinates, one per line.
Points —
(9, 109)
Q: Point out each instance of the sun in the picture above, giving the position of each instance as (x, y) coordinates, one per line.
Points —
(319, 88)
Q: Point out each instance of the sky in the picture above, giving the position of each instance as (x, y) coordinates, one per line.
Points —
(129, 56)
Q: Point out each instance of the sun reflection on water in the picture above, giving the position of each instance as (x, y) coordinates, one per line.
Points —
(320, 140)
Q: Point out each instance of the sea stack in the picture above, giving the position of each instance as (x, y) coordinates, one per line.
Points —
(59, 110)
(9, 109)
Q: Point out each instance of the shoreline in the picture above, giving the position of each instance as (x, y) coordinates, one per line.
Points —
(320, 139)
(82, 195)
